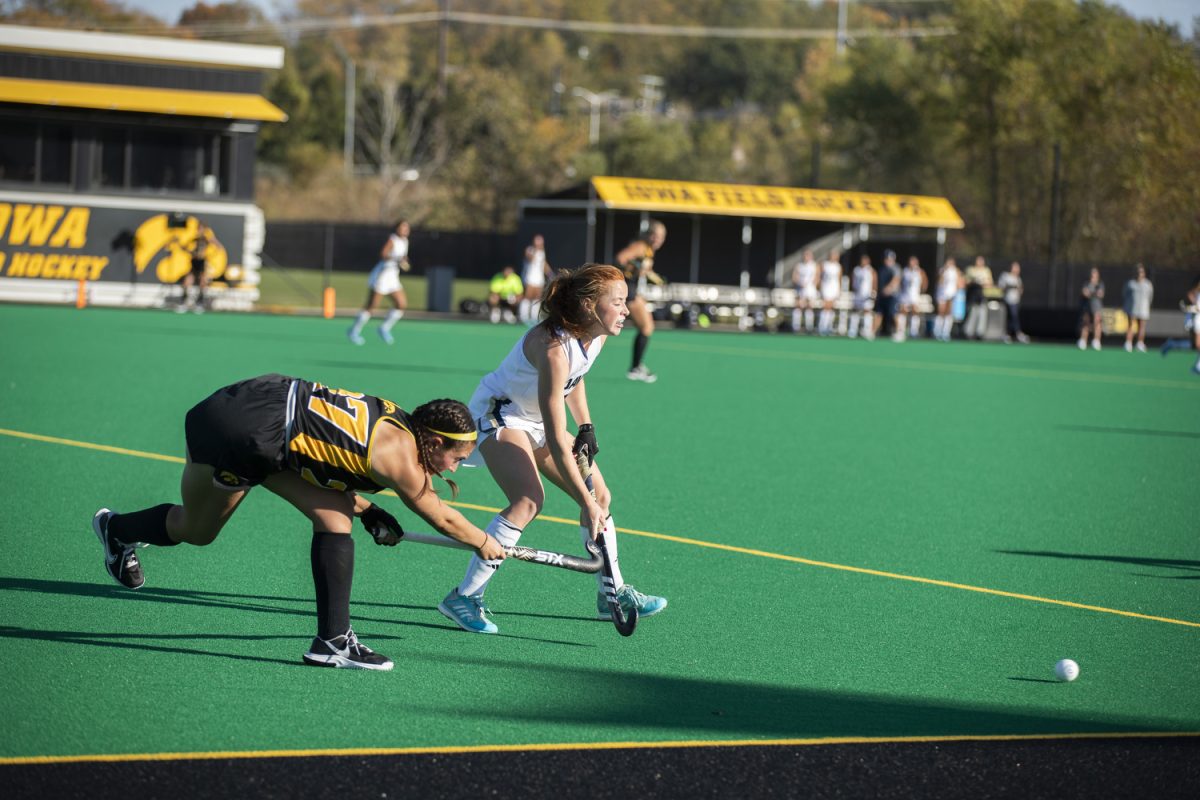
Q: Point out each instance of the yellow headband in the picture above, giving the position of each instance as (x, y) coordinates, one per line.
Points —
(462, 437)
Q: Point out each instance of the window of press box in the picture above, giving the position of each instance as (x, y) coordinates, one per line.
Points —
(18, 151)
(215, 176)
(164, 160)
(35, 152)
(110, 166)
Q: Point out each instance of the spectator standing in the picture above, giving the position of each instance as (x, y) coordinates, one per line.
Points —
(885, 301)
(534, 275)
(1139, 294)
(505, 295)
(198, 276)
(949, 282)
(1090, 307)
(1013, 287)
(979, 279)
(862, 282)
(385, 280)
(804, 280)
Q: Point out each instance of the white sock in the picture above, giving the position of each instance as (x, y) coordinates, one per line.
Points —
(479, 572)
(523, 310)
(914, 326)
(868, 325)
(535, 310)
(609, 534)
(901, 319)
(855, 317)
(808, 319)
(359, 322)
(796, 319)
(392, 318)
(826, 321)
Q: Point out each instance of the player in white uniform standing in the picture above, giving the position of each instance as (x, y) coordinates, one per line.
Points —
(804, 280)
(385, 280)
(863, 311)
(534, 276)
(831, 290)
(913, 283)
(521, 411)
(948, 283)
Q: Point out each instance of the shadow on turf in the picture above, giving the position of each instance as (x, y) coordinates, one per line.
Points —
(1129, 431)
(1165, 563)
(577, 697)
(240, 602)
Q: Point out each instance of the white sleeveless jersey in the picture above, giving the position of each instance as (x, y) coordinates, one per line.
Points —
(864, 282)
(806, 274)
(512, 388)
(535, 269)
(948, 285)
(910, 283)
(397, 249)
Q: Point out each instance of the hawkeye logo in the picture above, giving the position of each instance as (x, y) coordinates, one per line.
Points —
(26, 225)
(168, 242)
(389, 407)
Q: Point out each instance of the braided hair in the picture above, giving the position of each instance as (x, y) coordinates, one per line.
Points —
(446, 415)
(570, 301)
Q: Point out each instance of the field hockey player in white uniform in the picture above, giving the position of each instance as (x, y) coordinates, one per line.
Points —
(948, 283)
(534, 276)
(384, 280)
(913, 283)
(831, 290)
(804, 281)
(521, 411)
(863, 310)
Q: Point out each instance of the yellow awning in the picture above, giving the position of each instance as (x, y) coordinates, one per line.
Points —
(687, 197)
(182, 102)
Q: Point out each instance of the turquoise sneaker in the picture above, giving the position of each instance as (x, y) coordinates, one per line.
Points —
(468, 612)
(647, 604)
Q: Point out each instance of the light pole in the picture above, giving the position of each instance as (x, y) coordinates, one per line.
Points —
(351, 100)
(595, 101)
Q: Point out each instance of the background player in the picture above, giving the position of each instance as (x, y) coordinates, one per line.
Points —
(534, 276)
(949, 282)
(637, 260)
(317, 448)
(385, 280)
(831, 290)
(862, 282)
(804, 280)
(913, 283)
(521, 411)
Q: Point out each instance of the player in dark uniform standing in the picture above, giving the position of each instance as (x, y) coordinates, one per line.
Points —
(637, 261)
(198, 276)
(317, 448)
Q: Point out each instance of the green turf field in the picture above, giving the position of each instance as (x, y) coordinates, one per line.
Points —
(858, 539)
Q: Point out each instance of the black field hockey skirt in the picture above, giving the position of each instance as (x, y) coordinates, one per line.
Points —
(241, 430)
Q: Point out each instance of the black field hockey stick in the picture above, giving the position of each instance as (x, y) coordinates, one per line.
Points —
(547, 558)
(624, 623)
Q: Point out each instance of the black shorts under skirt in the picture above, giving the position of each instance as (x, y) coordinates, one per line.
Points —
(241, 430)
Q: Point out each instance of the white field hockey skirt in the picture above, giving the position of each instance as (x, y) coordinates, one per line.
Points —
(491, 414)
(385, 278)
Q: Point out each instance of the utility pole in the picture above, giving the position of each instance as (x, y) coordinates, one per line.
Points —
(1055, 211)
(443, 46)
(841, 27)
(351, 102)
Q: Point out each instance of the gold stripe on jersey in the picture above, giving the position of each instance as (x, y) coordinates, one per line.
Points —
(326, 453)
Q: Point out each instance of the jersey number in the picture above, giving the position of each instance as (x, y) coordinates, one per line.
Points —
(351, 420)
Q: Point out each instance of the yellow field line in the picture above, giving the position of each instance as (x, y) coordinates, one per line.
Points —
(970, 369)
(696, 543)
(567, 746)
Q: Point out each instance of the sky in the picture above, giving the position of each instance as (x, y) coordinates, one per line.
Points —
(1177, 12)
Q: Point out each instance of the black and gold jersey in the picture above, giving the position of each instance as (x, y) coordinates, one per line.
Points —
(635, 265)
(330, 432)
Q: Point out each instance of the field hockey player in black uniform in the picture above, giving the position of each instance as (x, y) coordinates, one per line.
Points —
(317, 448)
(637, 262)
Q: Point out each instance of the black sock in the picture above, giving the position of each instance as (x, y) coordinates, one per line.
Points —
(333, 571)
(148, 525)
(639, 348)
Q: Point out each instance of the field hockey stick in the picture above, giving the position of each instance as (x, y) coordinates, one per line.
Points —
(624, 623)
(547, 558)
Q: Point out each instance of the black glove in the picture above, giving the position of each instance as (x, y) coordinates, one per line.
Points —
(381, 525)
(586, 438)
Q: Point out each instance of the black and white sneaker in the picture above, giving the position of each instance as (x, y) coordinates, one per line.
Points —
(120, 559)
(346, 652)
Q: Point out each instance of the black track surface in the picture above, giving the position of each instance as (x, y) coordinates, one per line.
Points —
(1058, 769)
